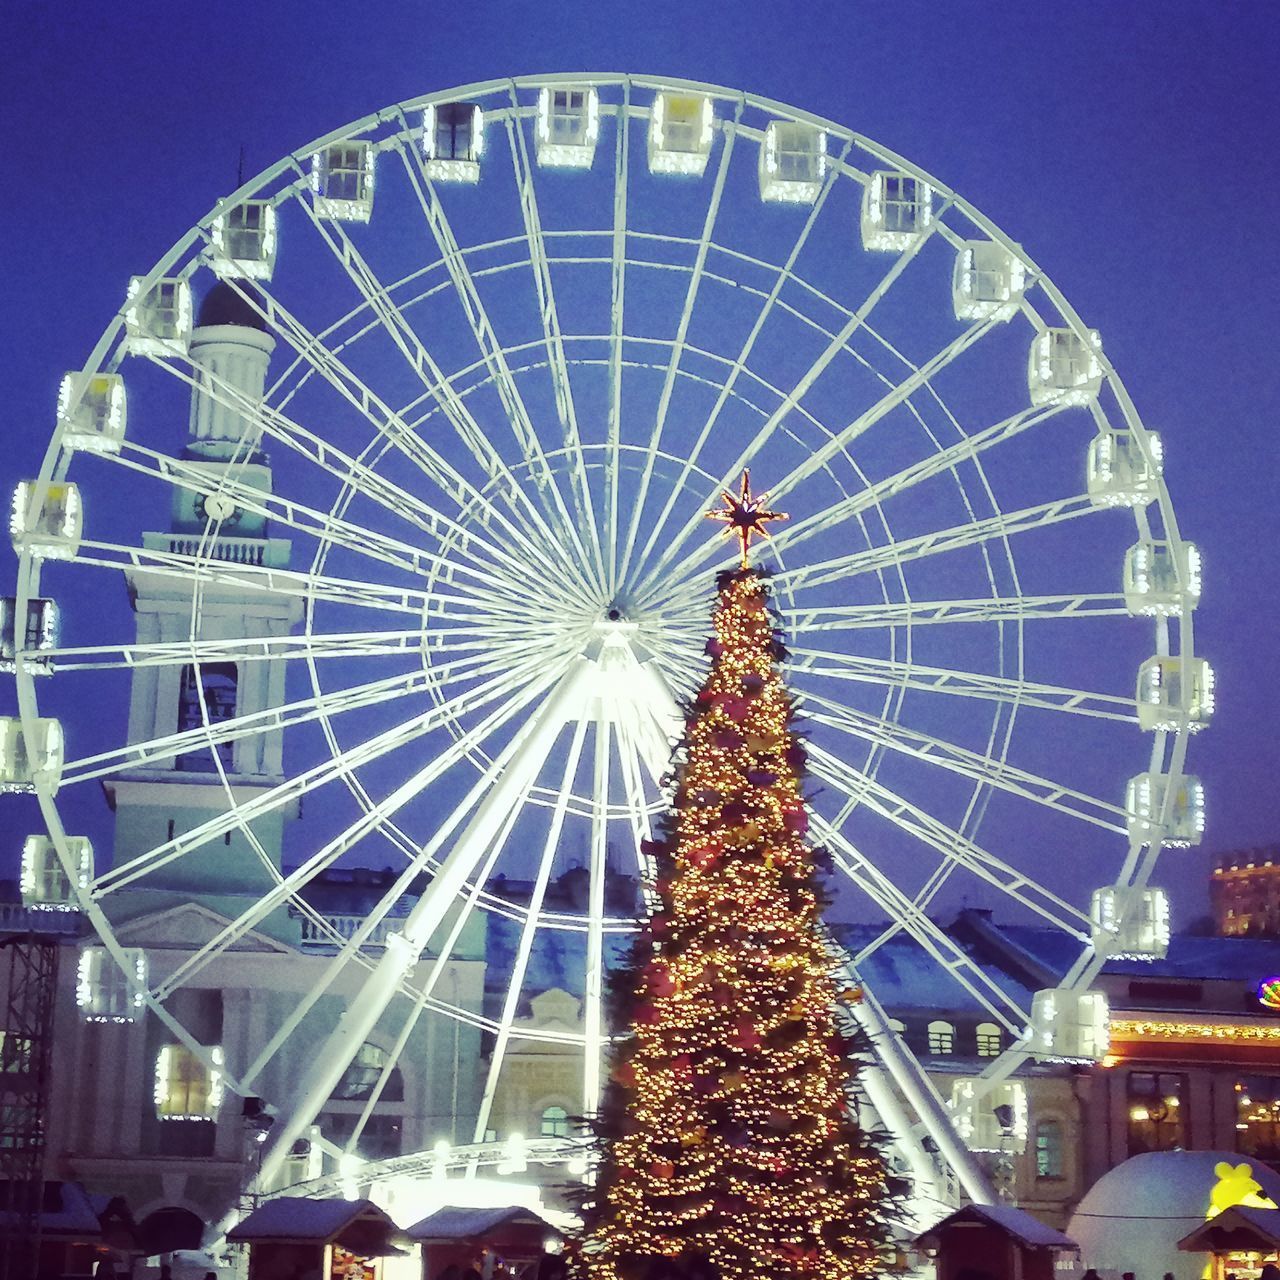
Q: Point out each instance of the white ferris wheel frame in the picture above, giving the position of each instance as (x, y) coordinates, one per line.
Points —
(572, 677)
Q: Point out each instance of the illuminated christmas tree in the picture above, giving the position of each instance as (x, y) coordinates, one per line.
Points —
(726, 1137)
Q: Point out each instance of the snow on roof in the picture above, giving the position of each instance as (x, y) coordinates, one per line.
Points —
(455, 1222)
(1023, 1226)
(1262, 1225)
(66, 1213)
(903, 976)
(306, 1220)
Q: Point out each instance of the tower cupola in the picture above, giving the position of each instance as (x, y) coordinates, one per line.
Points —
(231, 349)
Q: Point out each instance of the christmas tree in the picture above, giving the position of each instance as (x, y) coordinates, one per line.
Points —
(727, 1144)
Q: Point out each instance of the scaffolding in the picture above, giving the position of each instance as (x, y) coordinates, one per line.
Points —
(26, 1043)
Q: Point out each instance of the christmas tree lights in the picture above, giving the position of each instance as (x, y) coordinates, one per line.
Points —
(726, 1135)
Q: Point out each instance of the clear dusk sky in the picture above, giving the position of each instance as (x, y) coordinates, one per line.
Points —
(1132, 146)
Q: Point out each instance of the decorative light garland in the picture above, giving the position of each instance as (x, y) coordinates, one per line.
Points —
(1143, 1028)
(726, 1133)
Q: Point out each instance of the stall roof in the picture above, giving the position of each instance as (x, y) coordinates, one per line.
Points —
(1027, 1229)
(457, 1223)
(1258, 1228)
(309, 1220)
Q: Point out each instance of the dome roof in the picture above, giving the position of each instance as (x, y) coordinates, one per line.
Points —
(1132, 1218)
(224, 304)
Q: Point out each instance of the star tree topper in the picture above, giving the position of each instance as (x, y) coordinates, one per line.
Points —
(745, 516)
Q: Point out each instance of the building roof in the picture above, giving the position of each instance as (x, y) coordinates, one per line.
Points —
(1025, 1228)
(904, 977)
(1189, 956)
(460, 1223)
(1238, 1228)
(310, 1220)
(224, 305)
(66, 1213)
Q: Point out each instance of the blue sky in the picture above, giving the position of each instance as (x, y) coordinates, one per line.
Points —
(1133, 148)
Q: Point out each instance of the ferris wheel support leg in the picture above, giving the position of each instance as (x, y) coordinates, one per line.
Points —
(512, 772)
(929, 1199)
(918, 1090)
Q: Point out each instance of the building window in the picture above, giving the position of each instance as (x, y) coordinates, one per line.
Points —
(1258, 1117)
(942, 1038)
(1156, 1111)
(988, 1038)
(1049, 1149)
(554, 1123)
(209, 692)
(361, 1077)
(187, 1088)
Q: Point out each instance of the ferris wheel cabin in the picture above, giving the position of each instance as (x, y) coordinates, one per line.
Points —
(158, 320)
(44, 882)
(1146, 798)
(1064, 367)
(681, 129)
(988, 282)
(342, 181)
(24, 758)
(1173, 692)
(1160, 582)
(897, 210)
(453, 141)
(568, 127)
(243, 241)
(1136, 928)
(793, 162)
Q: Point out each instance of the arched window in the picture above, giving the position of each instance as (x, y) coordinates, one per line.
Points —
(1049, 1149)
(361, 1077)
(988, 1039)
(942, 1037)
(554, 1123)
(213, 686)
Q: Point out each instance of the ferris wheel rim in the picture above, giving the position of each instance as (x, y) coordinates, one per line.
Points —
(57, 457)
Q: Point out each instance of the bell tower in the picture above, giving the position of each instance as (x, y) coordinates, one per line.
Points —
(166, 797)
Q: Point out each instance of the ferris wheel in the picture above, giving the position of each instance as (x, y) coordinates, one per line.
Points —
(465, 377)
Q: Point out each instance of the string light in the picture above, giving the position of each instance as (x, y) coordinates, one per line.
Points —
(725, 1128)
(1138, 1029)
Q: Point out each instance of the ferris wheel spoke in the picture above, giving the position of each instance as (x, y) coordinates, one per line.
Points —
(553, 338)
(410, 346)
(278, 895)
(919, 613)
(385, 421)
(730, 133)
(817, 458)
(969, 684)
(198, 568)
(617, 312)
(337, 767)
(529, 928)
(975, 533)
(784, 274)
(322, 526)
(899, 908)
(954, 849)
(282, 648)
(517, 413)
(969, 764)
(965, 450)
(249, 575)
(274, 719)
(348, 471)
(593, 997)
